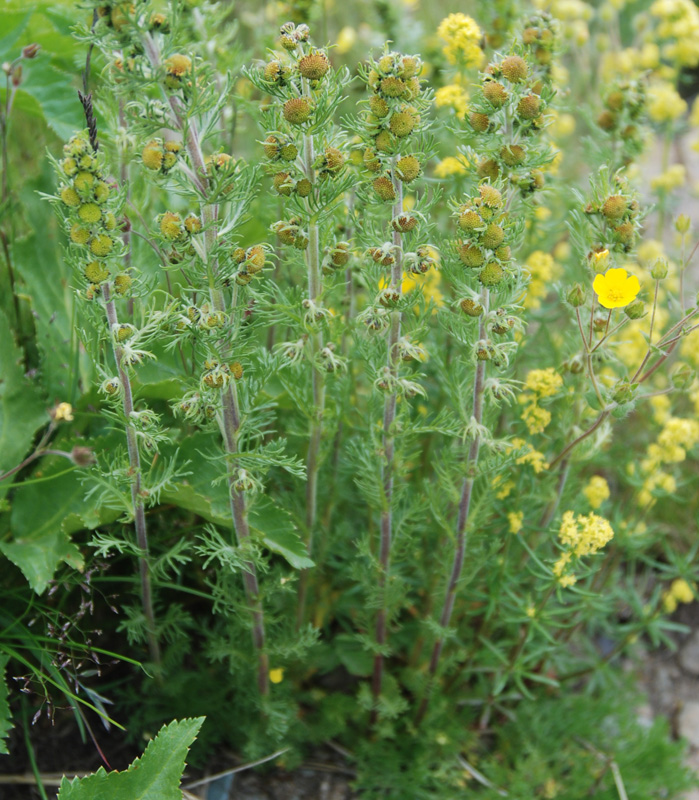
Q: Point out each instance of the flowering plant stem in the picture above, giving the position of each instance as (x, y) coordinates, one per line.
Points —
(139, 512)
(230, 417)
(464, 509)
(389, 416)
(317, 377)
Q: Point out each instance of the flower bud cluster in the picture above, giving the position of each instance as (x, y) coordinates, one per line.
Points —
(507, 112)
(89, 203)
(484, 249)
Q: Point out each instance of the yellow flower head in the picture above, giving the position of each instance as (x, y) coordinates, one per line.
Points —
(596, 491)
(276, 675)
(461, 36)
(515, 519)
(616, 288)
(63, 412)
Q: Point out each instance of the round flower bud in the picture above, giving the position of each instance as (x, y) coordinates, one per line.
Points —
(272, 147)
(192, 224)
(70, 197)
(615, 207)
(101, 192)
(529, 107)
(514, 68)
(490, 196)
(383, 186)
(297, 110)
(493, 236)
(503, 253)
(635, 310)
(470, 220)
(78, 234)
(683, 223)
(69, 166)
(492, 274)
(402, 124)
(313, 66)
(236, 370)
(576, 296)
(334, 160)
(122, 283)
(152, 155)
(512, 155)
(96, 272)
(282, 183)
(378, 106)
(623, 392)
(404, 223)
(90, 213)
(409, 67)
(101, 245)
(371, 160)
(384, 142)
(83, 183)
(111, 386)
(407, 168)
(289, 152)
(171, 225)
(495, 93)
(255, 258)
(479, 122)
(625, 233)
(484, 350)
(488, 168)
(178, 65)
(607, 121)
(659, 269)
(471, 308)
(303, 187)
(273, 72)
(124, 332)
(470, 255)
(392, 87)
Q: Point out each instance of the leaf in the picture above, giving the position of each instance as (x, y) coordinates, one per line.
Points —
(22, 410)
(52, 302)
(154, 776)
(279, 533)
(356, 659)
(5, 716)
(205, 494)
(43, 517)
(49, 94)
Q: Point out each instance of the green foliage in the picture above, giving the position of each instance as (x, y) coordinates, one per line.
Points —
(154, 776)
(5, 717)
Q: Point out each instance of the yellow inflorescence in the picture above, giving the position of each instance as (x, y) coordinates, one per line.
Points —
(596, 491)
(461, 36)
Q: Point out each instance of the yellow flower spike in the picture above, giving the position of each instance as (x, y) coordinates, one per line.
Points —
(616, 288)
(276, 675)
(63, 412)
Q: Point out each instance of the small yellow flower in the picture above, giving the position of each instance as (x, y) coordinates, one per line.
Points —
(616, 288)
(515, 519)
(681, 591)
(276, 675)
(63, 413)
(596, 491)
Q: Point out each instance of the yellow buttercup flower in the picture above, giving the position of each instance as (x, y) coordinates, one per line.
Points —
(276, 675)
(616, 288)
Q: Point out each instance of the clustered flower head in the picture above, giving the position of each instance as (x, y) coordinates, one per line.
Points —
(615, 214)
(391, 122)
(580, 536)
(680, 591)
(298, 77)
(462, 38)
(539, 385)
(485, 226)
(596, 491)
(89, 199)
(678, 29)
(508, 110)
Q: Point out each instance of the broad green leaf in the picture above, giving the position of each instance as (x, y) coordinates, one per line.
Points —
(154, 776)
(50, 95)
(22, 410)
(205, 494)
(43, 517)
(279, 533)
(52, 301)
(5, 716)
(14, 23)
